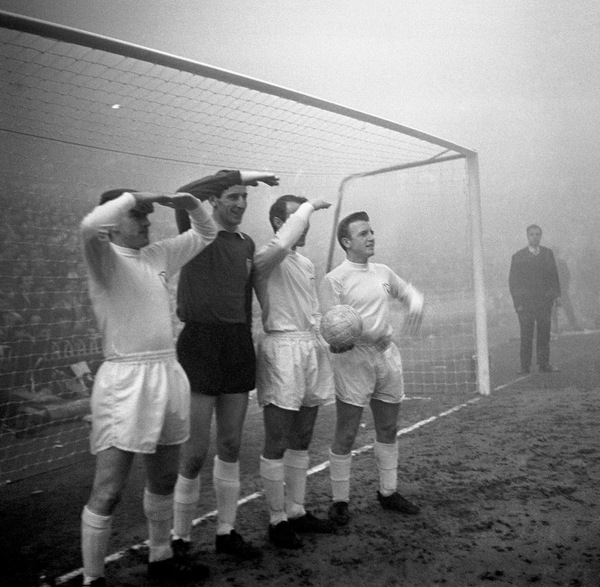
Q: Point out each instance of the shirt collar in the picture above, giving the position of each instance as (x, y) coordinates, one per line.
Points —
(534, 250)
(360, 266)
(125, 251)
(221, 228)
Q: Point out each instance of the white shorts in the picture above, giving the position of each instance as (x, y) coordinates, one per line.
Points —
(293, 370)
(366, 372)
(139, 402)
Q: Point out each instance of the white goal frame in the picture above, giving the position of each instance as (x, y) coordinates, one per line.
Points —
(475, 223)
(429, 150)
(68, 34)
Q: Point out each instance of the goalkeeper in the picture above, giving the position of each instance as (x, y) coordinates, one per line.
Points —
(293, 373)
(215, 348)
(141, 396)
(369, 372)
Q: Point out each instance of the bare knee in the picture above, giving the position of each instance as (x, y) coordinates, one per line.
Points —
(229, 449)
(342, 443)
(386, 434)
(104, 500)
(300, 441)
(163, 484)
(304, 425)
(191, 465)
(275, 445)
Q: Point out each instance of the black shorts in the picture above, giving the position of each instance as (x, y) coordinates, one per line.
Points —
(217, 358)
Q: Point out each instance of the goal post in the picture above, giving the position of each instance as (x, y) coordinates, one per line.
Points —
(81, 113)
(481, 356)
(482, 362)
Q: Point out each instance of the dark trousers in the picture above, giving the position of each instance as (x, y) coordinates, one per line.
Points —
(528, 320)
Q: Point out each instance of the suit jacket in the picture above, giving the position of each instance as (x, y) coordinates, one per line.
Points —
(533, 279)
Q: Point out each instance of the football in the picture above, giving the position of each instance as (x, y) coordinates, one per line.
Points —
(341, 326)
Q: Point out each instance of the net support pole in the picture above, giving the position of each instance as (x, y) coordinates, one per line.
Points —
(473, 194)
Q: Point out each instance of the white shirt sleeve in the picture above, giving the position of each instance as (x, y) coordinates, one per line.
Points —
(185, 246)
(269, 256)
(406, 293)
(95, 233)
(328, 294)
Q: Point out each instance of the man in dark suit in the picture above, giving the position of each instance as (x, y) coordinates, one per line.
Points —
(535, 288)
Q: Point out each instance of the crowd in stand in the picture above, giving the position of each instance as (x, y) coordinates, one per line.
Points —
(45, 313)
(44, 310)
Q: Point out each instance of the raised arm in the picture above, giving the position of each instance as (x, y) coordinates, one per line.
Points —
(95, 232)
(269, 256)
(212, 185)
(97, 226)
(253, 177)
(215, 185)
(187, 245)
(204, 188)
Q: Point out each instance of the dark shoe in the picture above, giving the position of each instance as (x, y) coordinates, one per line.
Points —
(548, 369)
(397, 503)
(181, 548)
(308, 523)
(235, 545)
(338, 513)
(524, 371)
(282, 535)
(99, 582)
(177, 569)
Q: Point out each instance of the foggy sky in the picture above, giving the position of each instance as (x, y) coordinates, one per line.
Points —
(515, 80)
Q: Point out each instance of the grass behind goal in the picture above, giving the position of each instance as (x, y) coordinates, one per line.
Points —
(80, 114)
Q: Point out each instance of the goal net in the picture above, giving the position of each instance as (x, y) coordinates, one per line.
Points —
(81, 114)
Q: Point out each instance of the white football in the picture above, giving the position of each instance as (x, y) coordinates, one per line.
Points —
(341, 326)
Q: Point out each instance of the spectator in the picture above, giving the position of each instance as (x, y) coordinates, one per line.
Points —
(534, 286)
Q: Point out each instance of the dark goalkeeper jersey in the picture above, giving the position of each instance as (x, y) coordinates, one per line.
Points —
(215, 286)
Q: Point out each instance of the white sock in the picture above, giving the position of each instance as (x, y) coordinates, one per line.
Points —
(339, 472)
(296, 464)
(159, 514)
(226, 479)
(386, 456)
(271, 473)
(95, 534)
(185, 501)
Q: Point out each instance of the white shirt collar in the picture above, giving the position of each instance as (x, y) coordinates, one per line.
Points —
(362, 266)
(126, 251)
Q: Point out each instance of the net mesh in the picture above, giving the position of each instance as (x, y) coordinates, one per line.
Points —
(77, 120)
